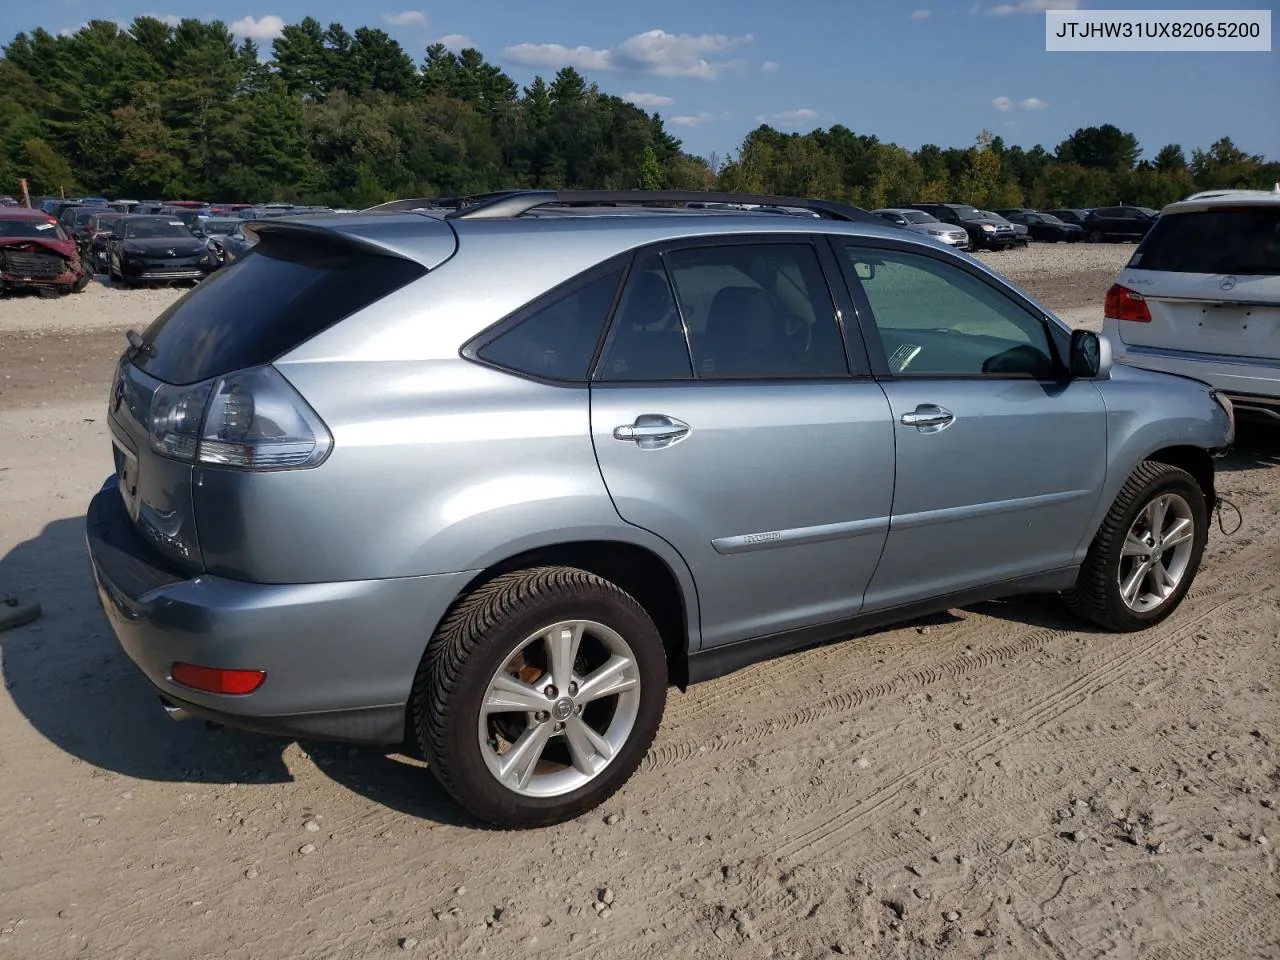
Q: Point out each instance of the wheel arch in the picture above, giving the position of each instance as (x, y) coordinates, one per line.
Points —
(666, 592)
(1194, 460)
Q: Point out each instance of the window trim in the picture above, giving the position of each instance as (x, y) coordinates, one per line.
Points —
(857, 364)
(620, 263)
(1059, 338)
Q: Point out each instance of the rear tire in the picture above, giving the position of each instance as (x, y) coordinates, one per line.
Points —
(587, 746)
(1152, 541)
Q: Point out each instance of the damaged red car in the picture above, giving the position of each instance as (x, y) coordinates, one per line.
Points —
(36, 253)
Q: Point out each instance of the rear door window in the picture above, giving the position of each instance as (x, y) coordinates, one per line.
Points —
(1229, 240)
(757, 311)
(647, 341)
(282, 293)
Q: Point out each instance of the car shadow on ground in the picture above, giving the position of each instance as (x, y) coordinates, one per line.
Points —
(73, 684)
(1257, 445)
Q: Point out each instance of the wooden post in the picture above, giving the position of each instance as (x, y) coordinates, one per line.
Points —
(26, 195)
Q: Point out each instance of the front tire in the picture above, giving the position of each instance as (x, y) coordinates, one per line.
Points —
(539, 695)
(1147, 553)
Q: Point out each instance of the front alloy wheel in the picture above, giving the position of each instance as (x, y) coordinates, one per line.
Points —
(1145, 555)
(1156, 553)
(539, 695)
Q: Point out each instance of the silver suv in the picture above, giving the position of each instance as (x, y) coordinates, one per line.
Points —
(488, 479)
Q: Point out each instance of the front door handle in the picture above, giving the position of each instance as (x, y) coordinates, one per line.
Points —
(652, 431)
(929, 418)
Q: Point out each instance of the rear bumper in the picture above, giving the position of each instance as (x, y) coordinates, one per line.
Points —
(1252, 384)
(340, 658)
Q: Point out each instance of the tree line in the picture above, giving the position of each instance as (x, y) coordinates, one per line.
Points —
(350, 119)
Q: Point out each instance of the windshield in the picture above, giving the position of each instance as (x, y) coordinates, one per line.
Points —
(1048, 218)
(155, 227)
(105, 224)
(220, 226)
(994, 216)
(919, 216)
(967, 213)
(31, 229)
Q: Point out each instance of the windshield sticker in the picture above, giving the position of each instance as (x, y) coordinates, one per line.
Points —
(1135, 260)
(44, 226)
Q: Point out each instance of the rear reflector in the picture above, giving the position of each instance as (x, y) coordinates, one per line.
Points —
(1125, 304)
(213, 680)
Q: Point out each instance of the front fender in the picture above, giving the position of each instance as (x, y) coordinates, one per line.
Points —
(1147, 413)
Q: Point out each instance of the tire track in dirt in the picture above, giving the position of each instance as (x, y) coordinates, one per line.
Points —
(952, 668)
(828, 831)
(772, 909)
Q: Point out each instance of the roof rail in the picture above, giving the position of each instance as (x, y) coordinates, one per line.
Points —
(513, 203)
(437, 203)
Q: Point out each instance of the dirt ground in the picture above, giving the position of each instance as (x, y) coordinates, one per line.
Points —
(995, 782)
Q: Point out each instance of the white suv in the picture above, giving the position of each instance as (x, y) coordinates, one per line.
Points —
(1201, 297)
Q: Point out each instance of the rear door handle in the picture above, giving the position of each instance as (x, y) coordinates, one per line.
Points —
(651, 431)
(929, 418)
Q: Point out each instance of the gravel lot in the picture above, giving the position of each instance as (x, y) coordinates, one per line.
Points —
(994, 782)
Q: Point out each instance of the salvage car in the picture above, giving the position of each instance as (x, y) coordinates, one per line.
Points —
(37, 254)
(156, 249)
(489, 480)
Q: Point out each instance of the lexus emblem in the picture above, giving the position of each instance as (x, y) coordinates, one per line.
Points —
(171, 253)
(1228, 284)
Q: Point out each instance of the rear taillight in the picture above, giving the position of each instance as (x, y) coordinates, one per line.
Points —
(1125, 304)
(251, 420)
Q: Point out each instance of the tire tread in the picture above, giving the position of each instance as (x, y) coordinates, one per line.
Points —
(473, 620)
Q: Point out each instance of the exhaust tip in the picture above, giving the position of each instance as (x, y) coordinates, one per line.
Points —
(174, 711)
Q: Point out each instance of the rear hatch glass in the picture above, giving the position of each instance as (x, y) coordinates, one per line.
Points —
(1244, 241)
(283, 292)
(1211, 280)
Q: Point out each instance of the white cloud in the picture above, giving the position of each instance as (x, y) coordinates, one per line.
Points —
(456, 42)
(921, 14)
(409, 18)
(654, 53)
(1008, 105)
(697, 119)
(648, 99)
(1032, 6)
(771, 66)
(789, 118)
(259, 28)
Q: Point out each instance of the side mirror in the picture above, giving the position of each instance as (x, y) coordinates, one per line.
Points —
(1090, 355)
(865, 271)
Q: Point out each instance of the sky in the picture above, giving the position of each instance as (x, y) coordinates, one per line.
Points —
(908, 71)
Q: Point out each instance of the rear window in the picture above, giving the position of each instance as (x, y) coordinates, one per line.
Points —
(1238, 240)
(282, 293)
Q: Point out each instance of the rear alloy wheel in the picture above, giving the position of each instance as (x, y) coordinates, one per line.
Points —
(1146, 555)
(1095, 236)
(539, 695)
